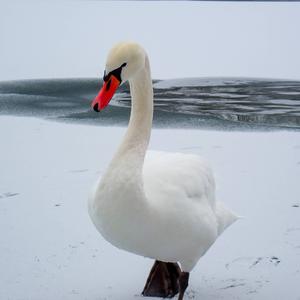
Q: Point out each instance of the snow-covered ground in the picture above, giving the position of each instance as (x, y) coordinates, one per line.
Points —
(50, 250)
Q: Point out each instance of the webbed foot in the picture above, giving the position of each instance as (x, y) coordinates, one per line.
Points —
(163, 280)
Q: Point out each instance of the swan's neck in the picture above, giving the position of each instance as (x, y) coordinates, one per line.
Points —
(135, 142)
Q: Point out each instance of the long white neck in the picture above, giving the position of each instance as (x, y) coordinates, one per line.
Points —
(135, 142)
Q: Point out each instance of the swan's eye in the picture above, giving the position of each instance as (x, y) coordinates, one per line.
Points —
(115, 72)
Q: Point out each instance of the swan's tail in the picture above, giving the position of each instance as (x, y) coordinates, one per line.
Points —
(225, 217)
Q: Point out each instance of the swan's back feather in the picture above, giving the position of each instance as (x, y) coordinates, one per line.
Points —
(178, 176)
(184, 179)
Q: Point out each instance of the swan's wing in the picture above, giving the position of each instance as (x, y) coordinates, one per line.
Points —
(178, 177)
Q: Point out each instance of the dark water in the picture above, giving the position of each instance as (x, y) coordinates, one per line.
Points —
(226, 103)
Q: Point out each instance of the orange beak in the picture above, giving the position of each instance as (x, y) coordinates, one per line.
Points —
(106, 93)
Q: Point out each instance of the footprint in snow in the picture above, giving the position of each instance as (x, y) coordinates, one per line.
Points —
(246, 286)
(254, 262)
(7, 195)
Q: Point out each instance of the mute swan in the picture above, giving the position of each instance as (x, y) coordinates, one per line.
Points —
(155, 204)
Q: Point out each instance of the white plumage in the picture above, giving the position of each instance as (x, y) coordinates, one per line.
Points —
(159, 205)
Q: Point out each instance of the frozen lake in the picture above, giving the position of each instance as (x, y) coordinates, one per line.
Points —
(215, 103)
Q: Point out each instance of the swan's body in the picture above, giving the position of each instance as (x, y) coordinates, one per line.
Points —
(159, 205)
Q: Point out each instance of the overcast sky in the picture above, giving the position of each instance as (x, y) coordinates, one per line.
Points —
(183, 39)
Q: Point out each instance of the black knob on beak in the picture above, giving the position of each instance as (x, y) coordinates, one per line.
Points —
(96, 108)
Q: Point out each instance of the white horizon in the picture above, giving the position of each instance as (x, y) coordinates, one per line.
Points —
(183, 39)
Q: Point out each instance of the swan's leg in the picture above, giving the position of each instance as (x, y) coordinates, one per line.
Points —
(183, 284)
(174, 272)
(162, 280)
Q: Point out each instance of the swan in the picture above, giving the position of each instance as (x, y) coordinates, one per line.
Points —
(154, 204)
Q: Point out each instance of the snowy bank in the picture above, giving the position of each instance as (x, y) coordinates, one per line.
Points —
(50, 249)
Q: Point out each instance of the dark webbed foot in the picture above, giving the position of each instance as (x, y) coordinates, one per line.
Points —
(174, 273)
(162, 280)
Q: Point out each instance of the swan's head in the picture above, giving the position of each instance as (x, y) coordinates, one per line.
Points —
(124, 62)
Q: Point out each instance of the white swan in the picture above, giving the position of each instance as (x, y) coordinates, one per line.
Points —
(155, 204)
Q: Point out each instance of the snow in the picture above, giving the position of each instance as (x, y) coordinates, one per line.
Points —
(51, 250)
